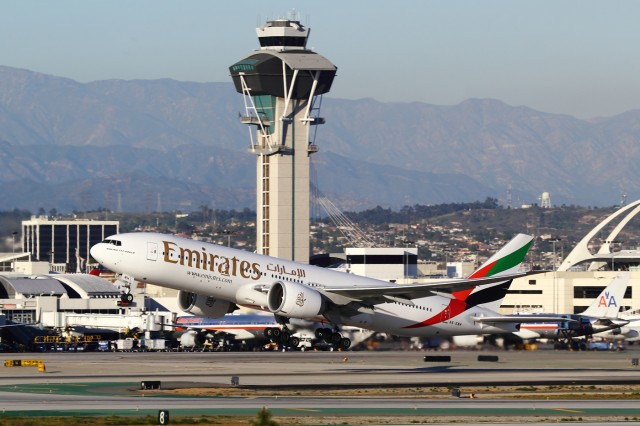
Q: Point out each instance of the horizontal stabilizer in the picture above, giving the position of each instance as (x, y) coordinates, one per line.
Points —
(520, 319)
(608, 322)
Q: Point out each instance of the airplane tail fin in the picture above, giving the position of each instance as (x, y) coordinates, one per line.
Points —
(507, 260)
(489, 296)
(608, 303)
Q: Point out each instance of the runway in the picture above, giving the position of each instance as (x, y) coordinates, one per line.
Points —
(287, 369)
(109, 383)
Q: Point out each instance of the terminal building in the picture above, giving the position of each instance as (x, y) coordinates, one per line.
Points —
(73, 303)
(44, 287)
(64, 244)
(582, 274)
(385, 263)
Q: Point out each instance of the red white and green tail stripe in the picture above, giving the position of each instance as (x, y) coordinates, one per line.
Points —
(507, 260)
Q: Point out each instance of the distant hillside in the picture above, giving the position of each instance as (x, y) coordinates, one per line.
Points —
(176, 145)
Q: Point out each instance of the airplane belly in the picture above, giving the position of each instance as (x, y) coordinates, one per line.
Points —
(410, 321)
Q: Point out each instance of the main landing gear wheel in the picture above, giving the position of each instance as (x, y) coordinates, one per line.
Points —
(294, 342)
(324, 334)
(345, 343)
(126, 297)
(272, 333)
(284, 337)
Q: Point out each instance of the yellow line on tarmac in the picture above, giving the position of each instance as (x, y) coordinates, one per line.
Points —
(305, 409)
(568, 411)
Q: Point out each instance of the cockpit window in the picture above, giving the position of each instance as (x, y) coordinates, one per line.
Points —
(112, 242)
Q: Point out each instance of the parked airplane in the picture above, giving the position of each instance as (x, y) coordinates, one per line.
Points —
(214, 279)
(237, 327)
(629, 332)
(255, 329)
(600, 316)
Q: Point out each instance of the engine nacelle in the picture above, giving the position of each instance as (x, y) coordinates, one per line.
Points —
(190, 339)
(468, 341)
(204, 306)
(293, 300)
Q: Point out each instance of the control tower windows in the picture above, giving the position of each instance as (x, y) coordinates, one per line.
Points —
(283, 41)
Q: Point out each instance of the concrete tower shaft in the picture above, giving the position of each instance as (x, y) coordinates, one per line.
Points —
(282, 84)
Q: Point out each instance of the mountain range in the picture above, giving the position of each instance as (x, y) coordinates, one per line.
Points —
(144, 145)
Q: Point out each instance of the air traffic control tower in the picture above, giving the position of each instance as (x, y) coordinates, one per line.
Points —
(283, 83)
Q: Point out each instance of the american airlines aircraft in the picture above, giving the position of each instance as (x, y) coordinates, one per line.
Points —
(601, 316)
(213, 280)
(256, 328)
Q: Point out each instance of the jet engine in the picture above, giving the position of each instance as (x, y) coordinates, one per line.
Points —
(204, 306)
(190, 339)
(293, 300)
(468, 341)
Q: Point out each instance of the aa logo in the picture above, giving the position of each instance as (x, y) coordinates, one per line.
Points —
(607, 300)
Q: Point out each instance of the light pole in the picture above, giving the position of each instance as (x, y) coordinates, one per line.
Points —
(555, 286)
(611, 243)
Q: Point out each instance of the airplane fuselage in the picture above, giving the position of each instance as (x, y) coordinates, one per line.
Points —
(237, 276)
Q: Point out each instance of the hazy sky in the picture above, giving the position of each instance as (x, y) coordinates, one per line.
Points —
(579, 57)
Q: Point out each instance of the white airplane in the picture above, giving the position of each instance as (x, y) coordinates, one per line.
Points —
(213, 280)
(629, 332)
(599, 317)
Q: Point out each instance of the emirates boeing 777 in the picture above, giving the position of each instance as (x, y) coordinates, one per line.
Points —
(214, 280)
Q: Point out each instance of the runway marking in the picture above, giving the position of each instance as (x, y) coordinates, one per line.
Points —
(566, 410)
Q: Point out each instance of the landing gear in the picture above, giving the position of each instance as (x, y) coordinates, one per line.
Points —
(272, 333)
(285, 337)
(282, 335)
(334, 338)
(323, 334)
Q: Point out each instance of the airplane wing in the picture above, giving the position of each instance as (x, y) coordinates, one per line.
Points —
(521, 319)
(413, 291)
(503, 266)
(609, 322)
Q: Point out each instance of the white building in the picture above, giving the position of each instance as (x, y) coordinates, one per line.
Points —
(385, 263)
(65, 244)
(582, 274)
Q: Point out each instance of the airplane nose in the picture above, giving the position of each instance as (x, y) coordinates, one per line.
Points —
(96, 252)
